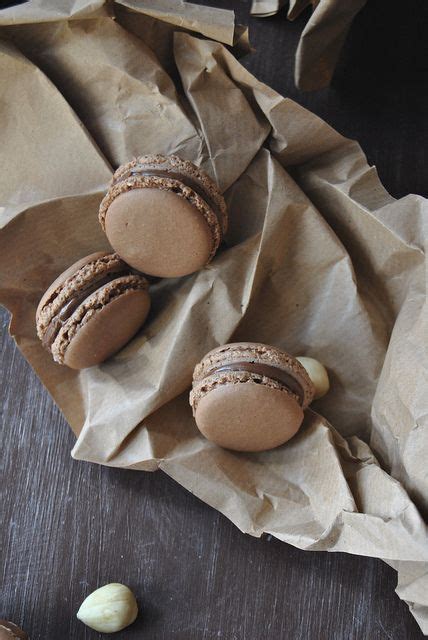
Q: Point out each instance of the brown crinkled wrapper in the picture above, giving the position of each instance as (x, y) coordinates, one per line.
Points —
(319, 260)
(322, 38)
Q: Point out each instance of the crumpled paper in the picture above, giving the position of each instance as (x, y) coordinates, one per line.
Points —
(318, 260)
(322, 38)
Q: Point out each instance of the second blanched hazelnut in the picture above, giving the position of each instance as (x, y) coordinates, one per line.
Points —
(109, 608)
(317, 373)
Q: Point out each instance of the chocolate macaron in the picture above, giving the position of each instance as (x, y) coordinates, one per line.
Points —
(10, 631)
(249, 396)
(163, 215)
(92, 310)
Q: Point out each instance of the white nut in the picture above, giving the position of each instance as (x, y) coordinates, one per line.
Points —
(109, 608)
(317, 373)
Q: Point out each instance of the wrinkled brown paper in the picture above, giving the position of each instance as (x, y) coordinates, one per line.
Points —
(322, 38)
(319, 260)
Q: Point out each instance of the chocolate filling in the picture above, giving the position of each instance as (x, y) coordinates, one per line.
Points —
(186, 180)
(274, 373)
(71, 305)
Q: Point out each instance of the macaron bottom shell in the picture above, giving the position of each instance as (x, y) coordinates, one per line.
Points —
(107, 330)
(158, 232)
(248, 416)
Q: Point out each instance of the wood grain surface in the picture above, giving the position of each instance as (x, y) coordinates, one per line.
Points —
(68, 527)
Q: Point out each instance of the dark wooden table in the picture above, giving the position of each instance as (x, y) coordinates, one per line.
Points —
(68, 527)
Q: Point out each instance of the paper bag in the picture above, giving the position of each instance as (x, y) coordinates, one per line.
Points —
(319, 260)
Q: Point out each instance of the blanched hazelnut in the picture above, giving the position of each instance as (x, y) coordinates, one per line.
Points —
(109, 608)
(317, 373)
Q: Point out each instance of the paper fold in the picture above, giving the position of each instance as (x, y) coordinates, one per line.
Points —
(322, 38)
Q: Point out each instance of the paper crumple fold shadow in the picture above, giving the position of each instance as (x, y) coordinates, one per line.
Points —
(318, 260)
(322, 38)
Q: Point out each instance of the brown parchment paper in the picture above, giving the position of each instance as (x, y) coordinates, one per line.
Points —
(322, 38)
(318, 260)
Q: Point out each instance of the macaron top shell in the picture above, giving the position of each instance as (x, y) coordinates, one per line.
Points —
(158, 233)
(73, 279)
(272, 363)
(92, 310)
(163, 215)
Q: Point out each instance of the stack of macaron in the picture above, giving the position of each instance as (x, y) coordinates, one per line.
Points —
(164, 217)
